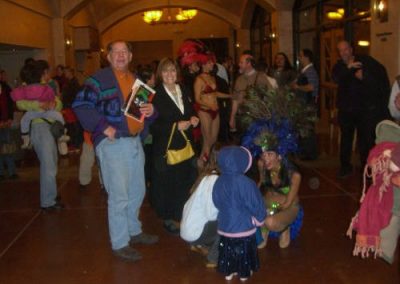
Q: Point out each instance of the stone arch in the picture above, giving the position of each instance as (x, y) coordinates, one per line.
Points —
(143, 5)
(72, 7)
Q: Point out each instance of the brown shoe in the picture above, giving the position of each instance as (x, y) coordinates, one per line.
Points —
(143, 238)
(128, 254)
(211, 264)
(199, 249)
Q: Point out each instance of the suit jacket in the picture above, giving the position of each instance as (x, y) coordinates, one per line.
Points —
(168, 114)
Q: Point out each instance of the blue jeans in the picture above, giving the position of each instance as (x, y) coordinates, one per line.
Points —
(45, 147)
(122, 170)
(7, 159)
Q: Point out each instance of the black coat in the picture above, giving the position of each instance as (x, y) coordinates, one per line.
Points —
(370, 94)
(168, 114)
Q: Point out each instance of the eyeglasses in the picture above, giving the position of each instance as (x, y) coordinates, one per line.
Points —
(120, 52)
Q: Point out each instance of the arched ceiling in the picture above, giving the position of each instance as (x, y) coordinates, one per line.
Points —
(110, 12)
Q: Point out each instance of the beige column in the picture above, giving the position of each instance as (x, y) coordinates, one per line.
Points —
(58, 39)
(283, 29)
(385, 39)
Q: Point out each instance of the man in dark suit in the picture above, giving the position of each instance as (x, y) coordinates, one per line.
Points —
(363, 95)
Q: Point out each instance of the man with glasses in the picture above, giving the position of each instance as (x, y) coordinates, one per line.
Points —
(118, 147)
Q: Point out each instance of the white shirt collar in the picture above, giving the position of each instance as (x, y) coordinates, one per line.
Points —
(306, 67)
(177, 100)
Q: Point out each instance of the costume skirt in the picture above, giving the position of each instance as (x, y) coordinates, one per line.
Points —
(238, 255)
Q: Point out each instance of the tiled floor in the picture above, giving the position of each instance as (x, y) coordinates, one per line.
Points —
(72, 246)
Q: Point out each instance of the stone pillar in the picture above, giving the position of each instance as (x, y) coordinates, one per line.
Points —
(58, 38)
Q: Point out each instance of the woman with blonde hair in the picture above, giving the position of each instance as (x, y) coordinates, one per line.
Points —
(171, 183)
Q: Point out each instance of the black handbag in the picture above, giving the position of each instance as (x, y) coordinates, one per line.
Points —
(56, 128)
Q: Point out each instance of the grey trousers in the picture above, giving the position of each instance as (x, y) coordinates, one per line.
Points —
(209, 238)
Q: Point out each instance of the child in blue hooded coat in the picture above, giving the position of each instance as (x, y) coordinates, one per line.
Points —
(241, 209)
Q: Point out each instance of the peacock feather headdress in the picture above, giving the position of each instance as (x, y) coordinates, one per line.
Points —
(266, 135)
(274, 120)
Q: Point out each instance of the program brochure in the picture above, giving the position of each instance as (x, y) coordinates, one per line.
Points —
(139, 95)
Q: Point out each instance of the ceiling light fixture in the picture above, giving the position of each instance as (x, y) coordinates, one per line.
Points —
(152, 16)
(335, 15)
(164, 15)
(363, 43)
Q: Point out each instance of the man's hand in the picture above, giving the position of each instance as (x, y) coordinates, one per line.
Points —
(359, 74)
(147, 109)
(355, 65)
(110, 132)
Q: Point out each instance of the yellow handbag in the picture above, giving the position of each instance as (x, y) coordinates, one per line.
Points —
(177, 156)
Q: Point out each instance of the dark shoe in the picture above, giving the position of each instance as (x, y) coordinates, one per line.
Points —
(143, 238)
(344, 173)
(127, 253)
(171, 228)
(14, 176)
(307, 158)
(83, 187)
(57, 206)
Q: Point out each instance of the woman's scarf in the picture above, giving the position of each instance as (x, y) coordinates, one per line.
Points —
(376, 204)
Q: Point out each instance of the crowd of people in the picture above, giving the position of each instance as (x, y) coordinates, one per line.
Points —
(206, 198)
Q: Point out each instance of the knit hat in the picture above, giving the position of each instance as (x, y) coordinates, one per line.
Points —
(387, 130)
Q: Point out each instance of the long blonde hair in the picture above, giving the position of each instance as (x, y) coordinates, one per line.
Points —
(210, 166)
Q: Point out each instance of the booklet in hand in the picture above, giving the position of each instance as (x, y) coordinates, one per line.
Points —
(140, 94)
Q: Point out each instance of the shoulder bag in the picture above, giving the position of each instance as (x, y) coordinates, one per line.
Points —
(177, 156)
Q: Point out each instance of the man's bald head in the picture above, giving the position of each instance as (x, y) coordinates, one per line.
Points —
(345, 51)
(246, 63)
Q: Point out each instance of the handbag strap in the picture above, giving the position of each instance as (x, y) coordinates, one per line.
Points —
(172, 134)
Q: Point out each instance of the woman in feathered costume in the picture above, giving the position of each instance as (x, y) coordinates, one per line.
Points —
(275, 120)
(279, 178)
